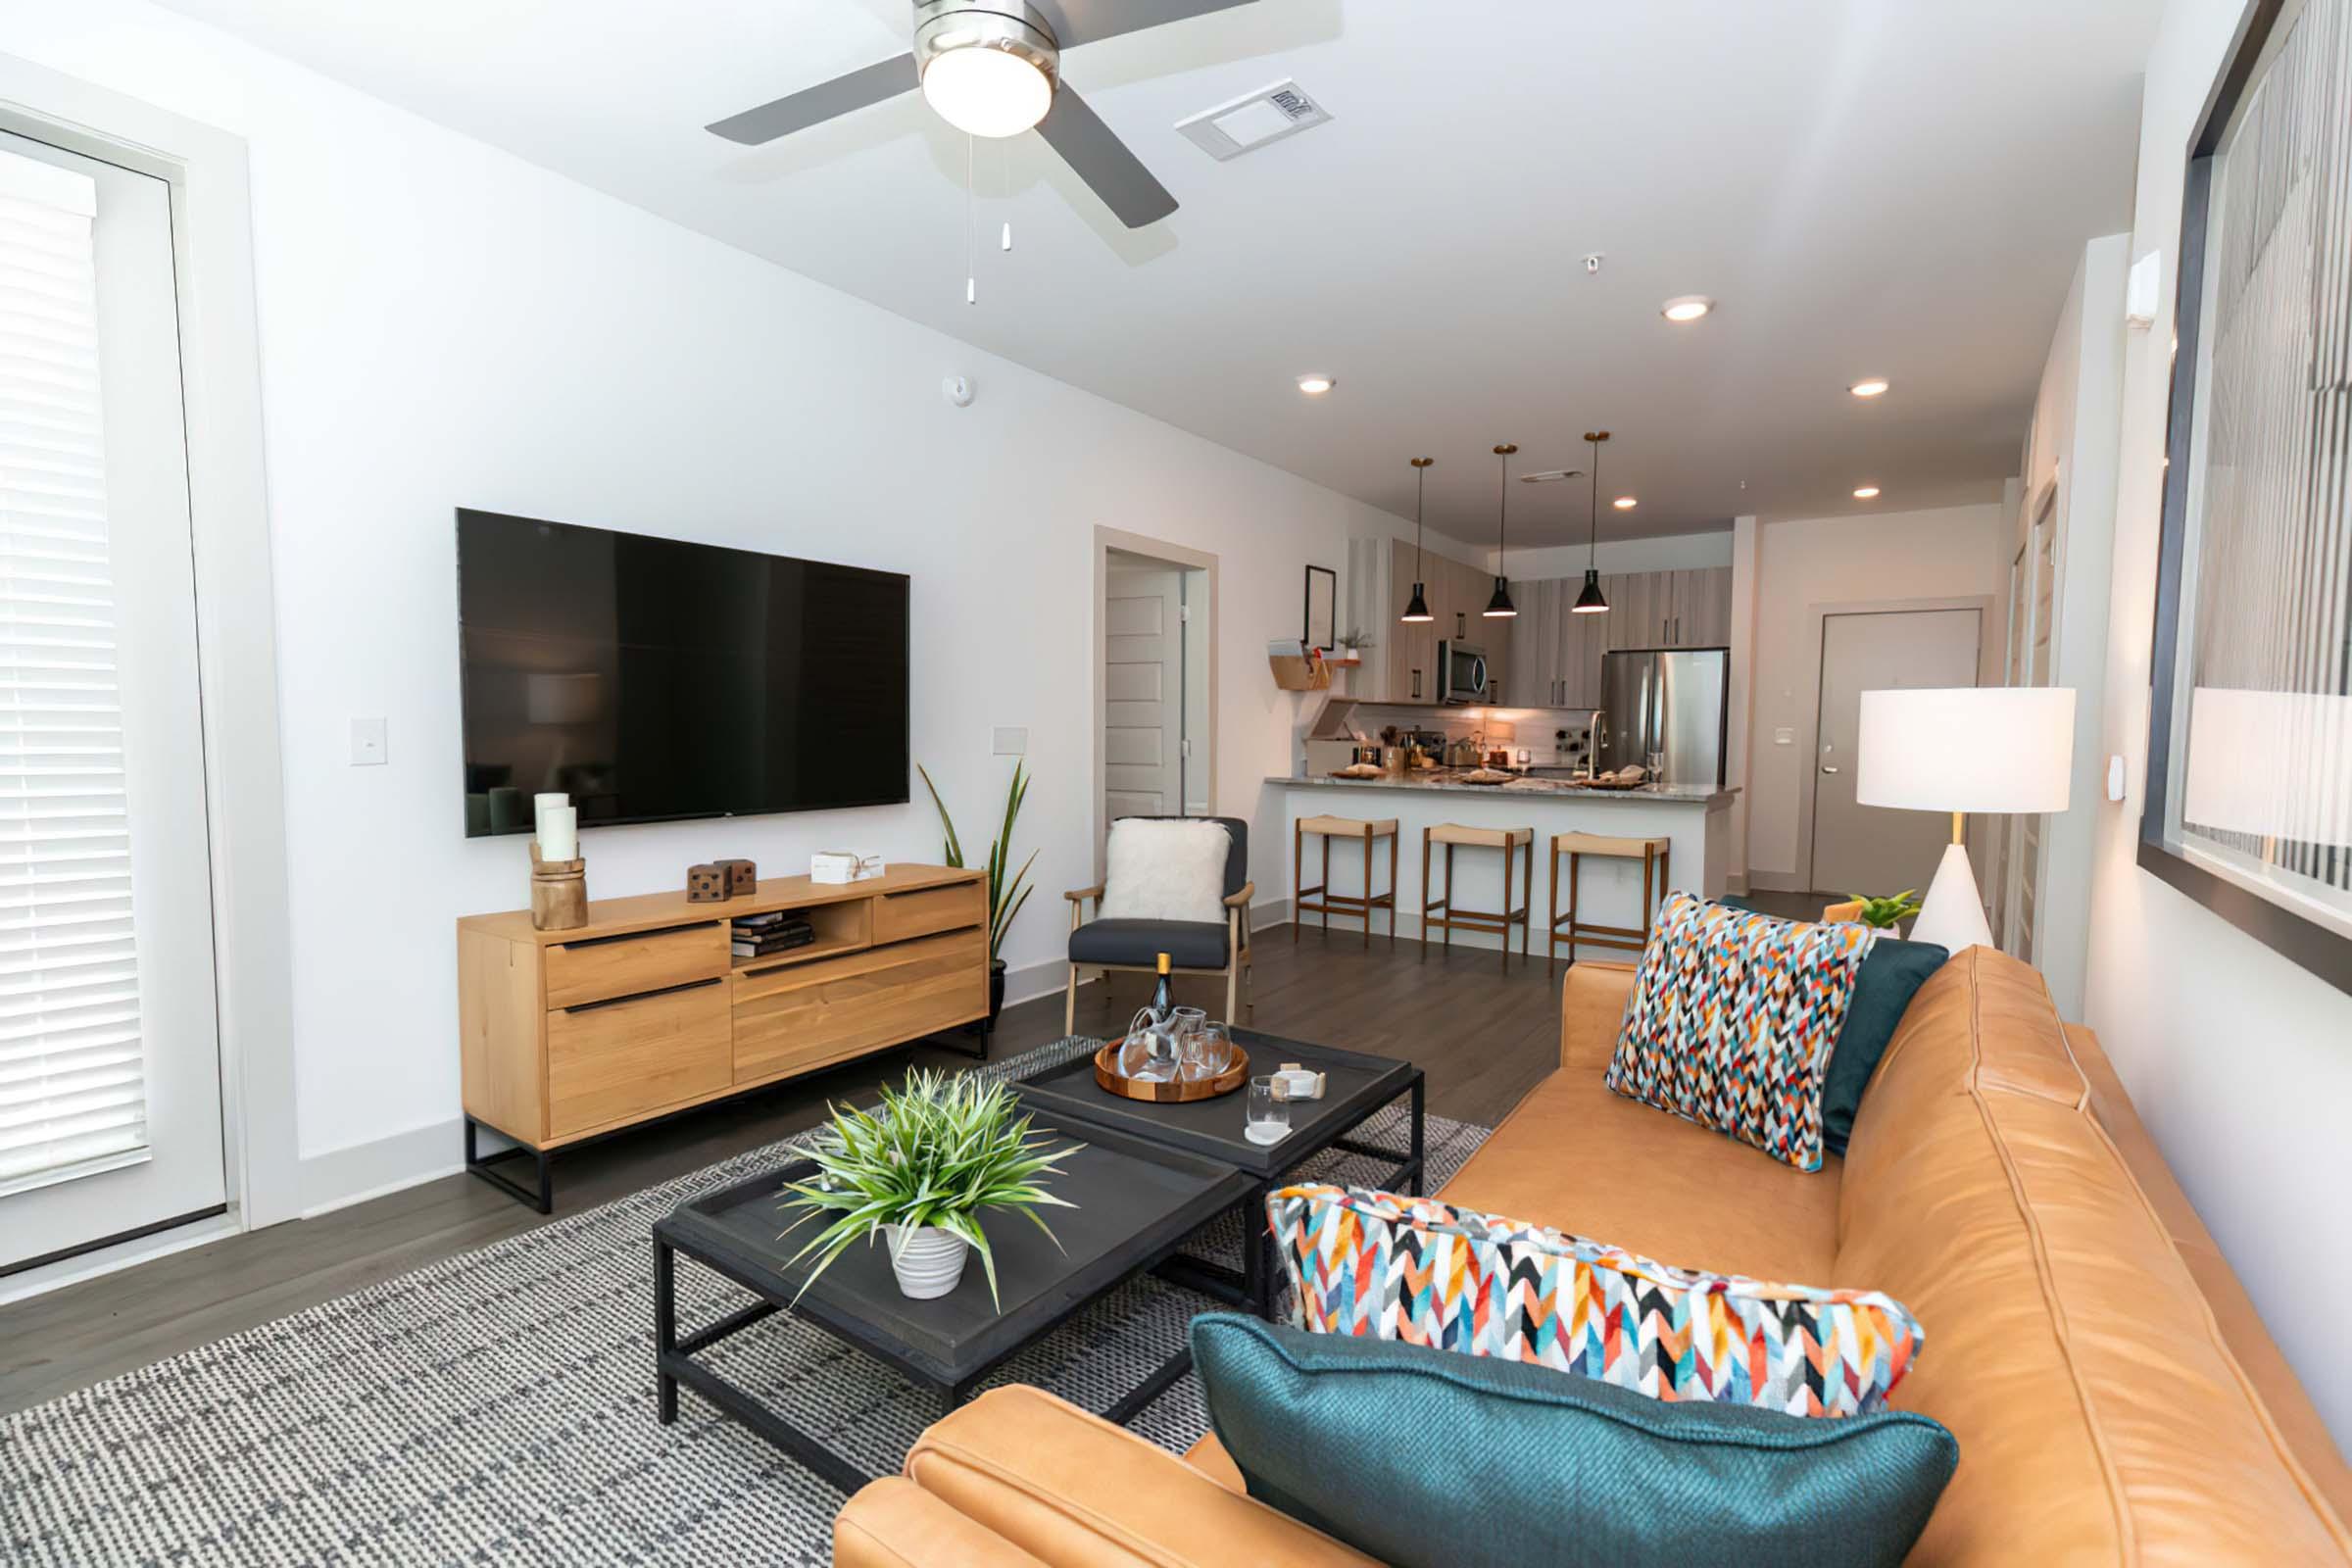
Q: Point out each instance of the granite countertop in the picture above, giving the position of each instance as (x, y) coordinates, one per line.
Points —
(1443, 780)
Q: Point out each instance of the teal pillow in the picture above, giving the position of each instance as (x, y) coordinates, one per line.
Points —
(1892, 975)
(1421, 1456)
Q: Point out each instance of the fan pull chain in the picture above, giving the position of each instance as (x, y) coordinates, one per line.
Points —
(972, 231)
(1004, 189)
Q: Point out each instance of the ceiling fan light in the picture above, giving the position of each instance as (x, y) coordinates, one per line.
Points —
(1500, 606)
(1416, 608)
(986, 91)
(1592, 602)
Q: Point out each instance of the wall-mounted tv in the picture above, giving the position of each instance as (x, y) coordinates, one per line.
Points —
(653, 680)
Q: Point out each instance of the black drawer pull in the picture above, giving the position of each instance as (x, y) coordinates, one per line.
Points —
(644, 996)
(634, 936)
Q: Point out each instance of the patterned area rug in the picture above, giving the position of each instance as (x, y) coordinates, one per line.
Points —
(498, 1408)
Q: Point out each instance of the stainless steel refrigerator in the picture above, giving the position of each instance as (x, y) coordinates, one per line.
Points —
(1667, 702)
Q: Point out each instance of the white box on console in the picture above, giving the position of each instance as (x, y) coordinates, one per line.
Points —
(843, 865)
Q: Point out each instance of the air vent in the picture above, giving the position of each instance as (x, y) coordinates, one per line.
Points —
(1249, 123)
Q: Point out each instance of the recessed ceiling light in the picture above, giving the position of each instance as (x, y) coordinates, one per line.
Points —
(1627, 503)
(1685, 306)
(1868, 492)
(1315, 385)
(1875, 387)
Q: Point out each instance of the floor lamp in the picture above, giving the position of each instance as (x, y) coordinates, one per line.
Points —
(2000, 749)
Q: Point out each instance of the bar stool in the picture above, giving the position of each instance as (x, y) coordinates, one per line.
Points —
(1454, 835)
(1653, 854)
(1347, 905)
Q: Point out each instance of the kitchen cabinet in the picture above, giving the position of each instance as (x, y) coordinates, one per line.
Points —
(1703, 608)
(1412, 649)
(1638, 612)
(1690, 609)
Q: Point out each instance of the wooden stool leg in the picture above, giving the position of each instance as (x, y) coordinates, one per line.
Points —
(1575, 865)
(1506, 906)
(1449, 926)
(1665, 864)
(1526, 899)
(1551, 917)
(1392, 892)
(1367, 890)
(1649, 857)
(1297, 878)
(1425, 892)
(1324, 898)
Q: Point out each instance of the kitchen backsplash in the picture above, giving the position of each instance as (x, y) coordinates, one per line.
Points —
(1545, 734)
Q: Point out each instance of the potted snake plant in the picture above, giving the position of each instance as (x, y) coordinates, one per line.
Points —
(1006, 895)
(919, 1170)
(1883, 915)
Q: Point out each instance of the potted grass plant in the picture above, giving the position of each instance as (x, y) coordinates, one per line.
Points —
(1882, 914)
(1005, 894)
(919, 1170)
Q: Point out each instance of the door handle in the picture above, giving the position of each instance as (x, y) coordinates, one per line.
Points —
(1826, 768)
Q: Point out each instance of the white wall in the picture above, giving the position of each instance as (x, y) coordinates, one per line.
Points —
(441, 326)
(1804, 565)
(1673, 552)
(2239, 1061)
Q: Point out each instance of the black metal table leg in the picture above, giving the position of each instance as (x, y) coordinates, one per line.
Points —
(1420, 1134)
(665, 1329)
(541, 1196)
(1257, 1267)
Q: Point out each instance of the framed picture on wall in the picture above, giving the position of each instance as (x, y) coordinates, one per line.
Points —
(2249, 798)
(1322, 607)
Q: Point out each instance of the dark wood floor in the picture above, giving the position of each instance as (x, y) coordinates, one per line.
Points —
(1485, 1036)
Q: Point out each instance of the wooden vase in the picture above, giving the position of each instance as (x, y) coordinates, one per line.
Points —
(559, 893)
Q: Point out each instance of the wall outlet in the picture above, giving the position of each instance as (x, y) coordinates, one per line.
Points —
(1009, 740)
(367, 743)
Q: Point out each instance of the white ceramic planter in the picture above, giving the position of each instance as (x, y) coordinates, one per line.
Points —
(927, 1260)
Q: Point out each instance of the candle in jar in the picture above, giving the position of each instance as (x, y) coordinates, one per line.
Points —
(558, 832)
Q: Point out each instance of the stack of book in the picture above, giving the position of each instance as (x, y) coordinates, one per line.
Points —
(760, 935)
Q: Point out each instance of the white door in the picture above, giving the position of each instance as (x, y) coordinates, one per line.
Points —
(1874, 849)
(1143, 691)
(110, 1077)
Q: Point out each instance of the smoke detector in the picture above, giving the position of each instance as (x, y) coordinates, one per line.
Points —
(1247, 124)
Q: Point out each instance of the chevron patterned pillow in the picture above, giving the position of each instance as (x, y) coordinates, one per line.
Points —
(1378, 1266)
(1732, 1021)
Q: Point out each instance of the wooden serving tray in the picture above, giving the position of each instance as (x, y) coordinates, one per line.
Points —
(1171, 1091)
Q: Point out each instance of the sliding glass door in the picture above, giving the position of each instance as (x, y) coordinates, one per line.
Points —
(110, 1075)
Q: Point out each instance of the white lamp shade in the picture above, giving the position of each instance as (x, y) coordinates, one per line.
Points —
(1967, 748)
(2279, 763)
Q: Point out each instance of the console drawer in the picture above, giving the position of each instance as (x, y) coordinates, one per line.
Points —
(836, 1008)
(901, 916)
(614, 1061)
(601, 968)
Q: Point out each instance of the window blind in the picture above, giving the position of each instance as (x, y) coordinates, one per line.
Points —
(72, 1096)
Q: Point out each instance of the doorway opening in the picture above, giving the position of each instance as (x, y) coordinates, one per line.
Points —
(1155, 672)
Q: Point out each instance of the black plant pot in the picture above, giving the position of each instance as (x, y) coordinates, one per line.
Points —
(996, 991)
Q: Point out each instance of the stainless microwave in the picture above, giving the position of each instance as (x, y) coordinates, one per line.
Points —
(1461, 672)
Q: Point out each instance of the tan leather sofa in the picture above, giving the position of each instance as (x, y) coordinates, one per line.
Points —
(2114, 1394)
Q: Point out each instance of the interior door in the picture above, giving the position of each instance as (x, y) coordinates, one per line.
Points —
(1142, 689)
(1876, 848)
(110, 1071)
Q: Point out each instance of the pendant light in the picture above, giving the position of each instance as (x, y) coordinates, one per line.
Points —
(1592, 602)
(1500, 605)
(1416, 608)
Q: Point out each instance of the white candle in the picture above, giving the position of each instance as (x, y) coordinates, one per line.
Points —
(558, 832)
(540, 803)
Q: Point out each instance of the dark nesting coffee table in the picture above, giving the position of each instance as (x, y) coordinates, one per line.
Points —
(1139, 1201)
(1356, 1086)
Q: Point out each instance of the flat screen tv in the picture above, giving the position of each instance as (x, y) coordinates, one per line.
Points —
(654, 680)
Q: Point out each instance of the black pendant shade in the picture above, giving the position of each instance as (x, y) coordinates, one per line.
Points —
(1590, 601)
(1500, 603)
(1418, 607)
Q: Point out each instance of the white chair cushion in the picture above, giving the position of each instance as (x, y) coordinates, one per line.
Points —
(1165, 870)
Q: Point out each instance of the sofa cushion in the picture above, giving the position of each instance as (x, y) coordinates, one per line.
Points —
(1732, 1020)
(1574, 1156)
(1540, 1468)
(2102, 1414)
(1380, 1265)
(1162, 868)
(1189, 944)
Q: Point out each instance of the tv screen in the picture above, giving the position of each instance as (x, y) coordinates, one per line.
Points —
(653, 680)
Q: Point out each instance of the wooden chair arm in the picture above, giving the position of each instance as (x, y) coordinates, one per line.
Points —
(1081, 895)
(1241, 900)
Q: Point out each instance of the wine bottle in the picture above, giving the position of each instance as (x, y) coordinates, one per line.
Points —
(1163, 994)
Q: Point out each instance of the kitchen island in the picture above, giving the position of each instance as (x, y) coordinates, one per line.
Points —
(1695, 821)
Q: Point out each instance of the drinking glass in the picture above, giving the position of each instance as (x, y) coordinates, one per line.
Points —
(1206, 1051)
(1268, 1119)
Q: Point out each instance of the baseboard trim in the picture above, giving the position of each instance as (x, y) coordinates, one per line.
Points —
(1776, 881)
(357, 1172)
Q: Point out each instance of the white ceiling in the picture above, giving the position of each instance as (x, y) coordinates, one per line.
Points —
(1891, 187)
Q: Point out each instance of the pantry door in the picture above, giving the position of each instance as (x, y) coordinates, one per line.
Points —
(110, 1062)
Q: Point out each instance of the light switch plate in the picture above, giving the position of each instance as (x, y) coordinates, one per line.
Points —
(1011, 741)
(367, 743)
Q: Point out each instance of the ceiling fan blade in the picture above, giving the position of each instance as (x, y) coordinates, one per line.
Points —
(1103, 160)
(1077, 21)
(823, 102)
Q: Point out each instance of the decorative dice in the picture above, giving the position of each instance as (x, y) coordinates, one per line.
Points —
(742, 877)
(706, 884)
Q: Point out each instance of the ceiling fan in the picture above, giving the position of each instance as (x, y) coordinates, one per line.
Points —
(993, 68)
